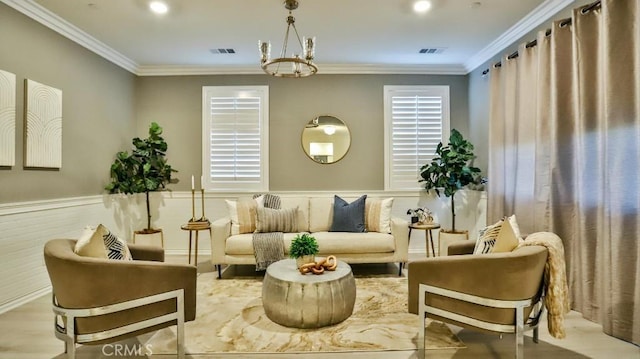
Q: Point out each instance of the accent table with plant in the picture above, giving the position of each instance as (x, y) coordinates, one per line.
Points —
(304, 248)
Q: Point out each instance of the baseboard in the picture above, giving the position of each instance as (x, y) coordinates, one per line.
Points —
(185, 252)
(24, 299)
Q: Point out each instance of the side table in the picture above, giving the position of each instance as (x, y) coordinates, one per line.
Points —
(195, 227)
(428, 227)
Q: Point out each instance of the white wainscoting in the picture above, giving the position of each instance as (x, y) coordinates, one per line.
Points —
(26, 226)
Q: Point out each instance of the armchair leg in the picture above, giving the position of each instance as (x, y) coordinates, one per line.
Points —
(421, 327)
(535, 335)
(219, 266)
(400, 269)
(519, 332)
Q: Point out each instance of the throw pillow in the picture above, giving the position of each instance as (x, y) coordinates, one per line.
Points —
(498, 237)
(507, 240)
(277, 220)
(348, 217)
(377, 215)
(102, 243)
(516, 228)
(487, 238)
(243, 215)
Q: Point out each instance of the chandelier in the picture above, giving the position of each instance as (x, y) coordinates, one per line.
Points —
(294, 66)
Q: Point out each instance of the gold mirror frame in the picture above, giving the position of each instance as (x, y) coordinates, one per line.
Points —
(325, 139)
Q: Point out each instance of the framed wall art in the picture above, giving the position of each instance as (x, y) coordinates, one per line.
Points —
(7, 119)
(43, 126)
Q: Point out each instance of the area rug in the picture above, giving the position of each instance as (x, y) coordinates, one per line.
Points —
(230, 319)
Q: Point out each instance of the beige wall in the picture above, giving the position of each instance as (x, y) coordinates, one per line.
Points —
(175, 103)
(97, 109)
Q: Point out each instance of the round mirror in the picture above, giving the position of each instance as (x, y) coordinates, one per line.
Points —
(326, 139)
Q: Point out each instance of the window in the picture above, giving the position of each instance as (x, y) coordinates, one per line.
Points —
(416, 119)
(235, 138)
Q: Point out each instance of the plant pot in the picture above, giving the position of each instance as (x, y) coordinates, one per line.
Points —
(153, 237)
(300, 261)
(414, 220)
(446, 237)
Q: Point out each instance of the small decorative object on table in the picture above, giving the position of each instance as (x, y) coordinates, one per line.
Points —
(330, 263)
(304, 248)
(422, 215)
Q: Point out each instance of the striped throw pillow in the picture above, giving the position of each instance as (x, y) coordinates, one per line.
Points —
(377, 215)
(100, 242)
(277, 220)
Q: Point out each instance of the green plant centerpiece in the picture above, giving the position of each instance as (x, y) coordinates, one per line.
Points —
(304, 248)
(143, 170)
(451, 170)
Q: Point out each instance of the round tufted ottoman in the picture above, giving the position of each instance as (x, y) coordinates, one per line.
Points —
(307, 301)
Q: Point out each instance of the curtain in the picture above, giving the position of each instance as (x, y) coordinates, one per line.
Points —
(565, 154)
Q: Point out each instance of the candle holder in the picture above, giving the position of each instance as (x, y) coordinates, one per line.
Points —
(203, 218)
(193, 206)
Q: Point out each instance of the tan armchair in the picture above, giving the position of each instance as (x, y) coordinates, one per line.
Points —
(493, 293)
(97, 301)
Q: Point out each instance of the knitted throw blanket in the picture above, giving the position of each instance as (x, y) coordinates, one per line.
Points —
(555, 280)
(268, 247)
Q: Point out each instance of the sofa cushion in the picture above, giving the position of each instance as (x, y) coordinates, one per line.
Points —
(328, 242)
(276, 220)
(242, 244)
(243, 215)
(352, 243)
(377, 214)
(320, 214)
(348, 217)
(303, 210)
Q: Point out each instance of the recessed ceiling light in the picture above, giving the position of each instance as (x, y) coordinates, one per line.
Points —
(158, 7)
(421, 6)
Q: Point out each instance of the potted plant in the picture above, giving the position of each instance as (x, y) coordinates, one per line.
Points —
(450, 171)
(304, 248)
(143, 170)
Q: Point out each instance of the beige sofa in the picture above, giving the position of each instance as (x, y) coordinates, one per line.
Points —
(315, 215)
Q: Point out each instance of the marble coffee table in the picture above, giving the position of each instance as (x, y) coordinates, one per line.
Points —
(307, 301)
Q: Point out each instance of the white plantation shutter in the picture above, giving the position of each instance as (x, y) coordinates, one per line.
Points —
(416, 120)
(235, 138)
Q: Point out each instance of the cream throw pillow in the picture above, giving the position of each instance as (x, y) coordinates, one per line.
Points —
(243, 215)
(498, 237)
(487, 238)
(377, 215)
(101, 243)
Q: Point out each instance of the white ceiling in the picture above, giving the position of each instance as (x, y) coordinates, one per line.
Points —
(353, 36)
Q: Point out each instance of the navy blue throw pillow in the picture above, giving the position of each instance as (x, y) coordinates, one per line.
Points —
(348, 217)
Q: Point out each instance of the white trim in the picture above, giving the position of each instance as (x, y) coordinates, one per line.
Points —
(48, 204)
(536, 17)
(326, 69)
(12, 304)
(40, 14)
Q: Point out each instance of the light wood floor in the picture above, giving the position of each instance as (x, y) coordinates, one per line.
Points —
(27, 332)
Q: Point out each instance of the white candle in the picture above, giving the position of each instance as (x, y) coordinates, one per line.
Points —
(201, 182)
(193, 186)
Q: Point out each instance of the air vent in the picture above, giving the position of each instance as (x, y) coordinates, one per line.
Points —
(432, 50)
(222, 51)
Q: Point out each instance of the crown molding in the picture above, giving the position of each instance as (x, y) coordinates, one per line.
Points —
(328, 69)
(38, 13)
(536, 17)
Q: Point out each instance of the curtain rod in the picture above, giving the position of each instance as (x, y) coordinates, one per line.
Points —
(530, 44)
